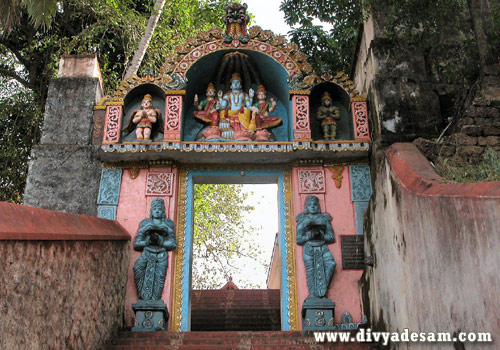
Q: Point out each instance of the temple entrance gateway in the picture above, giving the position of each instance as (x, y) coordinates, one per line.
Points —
(242, 105)
(285, 256)
(232, 288)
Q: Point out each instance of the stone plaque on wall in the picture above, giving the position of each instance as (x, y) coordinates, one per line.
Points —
(353, 253)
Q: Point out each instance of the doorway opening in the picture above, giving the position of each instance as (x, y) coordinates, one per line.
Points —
(235, 238)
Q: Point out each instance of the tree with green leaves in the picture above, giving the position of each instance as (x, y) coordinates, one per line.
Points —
(112, 29)
(221, 234)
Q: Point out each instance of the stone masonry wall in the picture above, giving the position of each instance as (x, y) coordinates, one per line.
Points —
(64, 170)
(477, 129)
(61, 294)
(415, 92)
(435, 247)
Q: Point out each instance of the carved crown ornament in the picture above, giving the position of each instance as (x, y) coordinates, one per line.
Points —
(172, 78)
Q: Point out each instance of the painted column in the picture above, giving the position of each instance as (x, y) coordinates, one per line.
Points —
(361, 191)
(173, 115)
(301, 118)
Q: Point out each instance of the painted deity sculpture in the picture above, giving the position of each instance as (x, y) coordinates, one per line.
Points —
(155, 238)
(236, 20)
(208, 112)
(144, 120)
(329, 115)
(314, 232)
(260, 115)
(235, 106)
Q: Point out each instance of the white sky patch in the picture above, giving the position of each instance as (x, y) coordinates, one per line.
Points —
(268, 16)
(265, 218)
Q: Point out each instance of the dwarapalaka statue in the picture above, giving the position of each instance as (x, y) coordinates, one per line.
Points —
(314, 232)
(144, 120)
(329, 115)
(155, 238)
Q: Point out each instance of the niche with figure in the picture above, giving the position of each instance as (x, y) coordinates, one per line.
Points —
(236, 96)
(330, 113)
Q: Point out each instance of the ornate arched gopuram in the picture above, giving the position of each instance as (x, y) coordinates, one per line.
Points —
(243, 106)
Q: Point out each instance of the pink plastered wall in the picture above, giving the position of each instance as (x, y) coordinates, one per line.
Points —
(134, 206)
(343, 289)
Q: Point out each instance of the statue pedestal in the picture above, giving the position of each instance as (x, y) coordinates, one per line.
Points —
(150, 315)
(317, 314)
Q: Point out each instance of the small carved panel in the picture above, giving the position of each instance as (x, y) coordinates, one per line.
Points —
(109, 190)
(107, 212)
(301, 117)
(159, 184)
(360, 120)
(311, 181)
(353, 253)
(173, 118)
(361, 185)
(112, 124)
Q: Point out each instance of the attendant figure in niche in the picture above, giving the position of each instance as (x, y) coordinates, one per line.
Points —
(208, 112)
(314, 232)
(328, 114)
(155, 238)
(260, 115)
(235, 108)
(144, 120)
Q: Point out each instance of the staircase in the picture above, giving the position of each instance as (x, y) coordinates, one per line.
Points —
(230, 319)
(271, 340)
(236, 310)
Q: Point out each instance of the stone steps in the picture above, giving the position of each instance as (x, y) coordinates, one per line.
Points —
(270, 340)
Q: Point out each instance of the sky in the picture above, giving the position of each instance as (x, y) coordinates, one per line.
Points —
(268, 16)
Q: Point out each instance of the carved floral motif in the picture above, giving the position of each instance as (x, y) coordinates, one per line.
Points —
(337, 174)
(360, 182)
(301, 117)
(360, 119)
(112, 124)
(173, 117)
(311, 181)
(109, 190)
(159, 184)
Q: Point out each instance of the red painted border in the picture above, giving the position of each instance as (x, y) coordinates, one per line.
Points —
(21, 222)
(415, 174)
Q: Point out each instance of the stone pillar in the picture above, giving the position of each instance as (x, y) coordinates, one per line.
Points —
(64, 171)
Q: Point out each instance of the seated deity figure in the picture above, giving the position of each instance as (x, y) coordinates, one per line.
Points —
(329, 115)
(144, 120)
(155, 238)
(208, 112)
(235, 108)
(260, 115)
(314, 232)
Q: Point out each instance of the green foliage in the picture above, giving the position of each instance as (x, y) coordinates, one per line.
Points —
(19, 125)
(330, 51)
(488, 169)
(111, 29)
(221, 234)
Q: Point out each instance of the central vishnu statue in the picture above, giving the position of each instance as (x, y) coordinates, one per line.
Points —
(234, 111)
